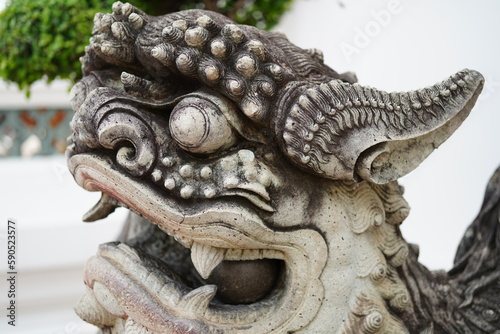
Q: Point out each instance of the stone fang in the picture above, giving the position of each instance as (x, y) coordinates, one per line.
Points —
(197, 300)
(103, 208)
(205, 258)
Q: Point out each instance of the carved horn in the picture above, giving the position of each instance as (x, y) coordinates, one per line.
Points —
(350, 132)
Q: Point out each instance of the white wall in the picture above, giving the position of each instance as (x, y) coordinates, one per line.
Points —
(55, 95)
(52, 243)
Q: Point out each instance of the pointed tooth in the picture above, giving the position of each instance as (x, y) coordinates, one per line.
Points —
(101, 209)
(205, 258)
(197, 300)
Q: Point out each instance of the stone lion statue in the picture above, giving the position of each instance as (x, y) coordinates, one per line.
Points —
(262, 186)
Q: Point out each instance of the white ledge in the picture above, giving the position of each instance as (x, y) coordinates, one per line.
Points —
(43, 95)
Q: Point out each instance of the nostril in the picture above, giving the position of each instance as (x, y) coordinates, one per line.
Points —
(245, 282)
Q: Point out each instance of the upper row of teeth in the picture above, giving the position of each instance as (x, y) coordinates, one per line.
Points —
(206, 258)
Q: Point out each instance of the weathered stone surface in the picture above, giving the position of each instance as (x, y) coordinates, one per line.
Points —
(263, 187)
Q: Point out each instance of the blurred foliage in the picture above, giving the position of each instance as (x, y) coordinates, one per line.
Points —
(263, 14)
(44, 39)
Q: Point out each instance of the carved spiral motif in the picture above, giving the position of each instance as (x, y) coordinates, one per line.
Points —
(401, 254)
(126, 134)
(400, 301)
(373, 323)
(490, 314)
(379, 272)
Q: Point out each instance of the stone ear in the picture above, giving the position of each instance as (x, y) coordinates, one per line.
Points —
(346, 131)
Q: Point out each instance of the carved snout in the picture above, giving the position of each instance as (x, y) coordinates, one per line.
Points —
(350, 132)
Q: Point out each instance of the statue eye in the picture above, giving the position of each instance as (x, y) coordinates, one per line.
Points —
(198, 126)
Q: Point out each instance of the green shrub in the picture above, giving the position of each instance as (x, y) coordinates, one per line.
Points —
(45, 38)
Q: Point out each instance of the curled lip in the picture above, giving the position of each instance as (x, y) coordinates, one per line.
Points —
(174, 300)
(221, 225)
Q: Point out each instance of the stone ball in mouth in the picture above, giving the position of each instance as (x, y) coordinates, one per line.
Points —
(245, 282)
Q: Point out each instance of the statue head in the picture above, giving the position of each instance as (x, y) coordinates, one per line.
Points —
(265, 180)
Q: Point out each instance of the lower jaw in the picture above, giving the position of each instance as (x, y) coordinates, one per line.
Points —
(129, 285)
